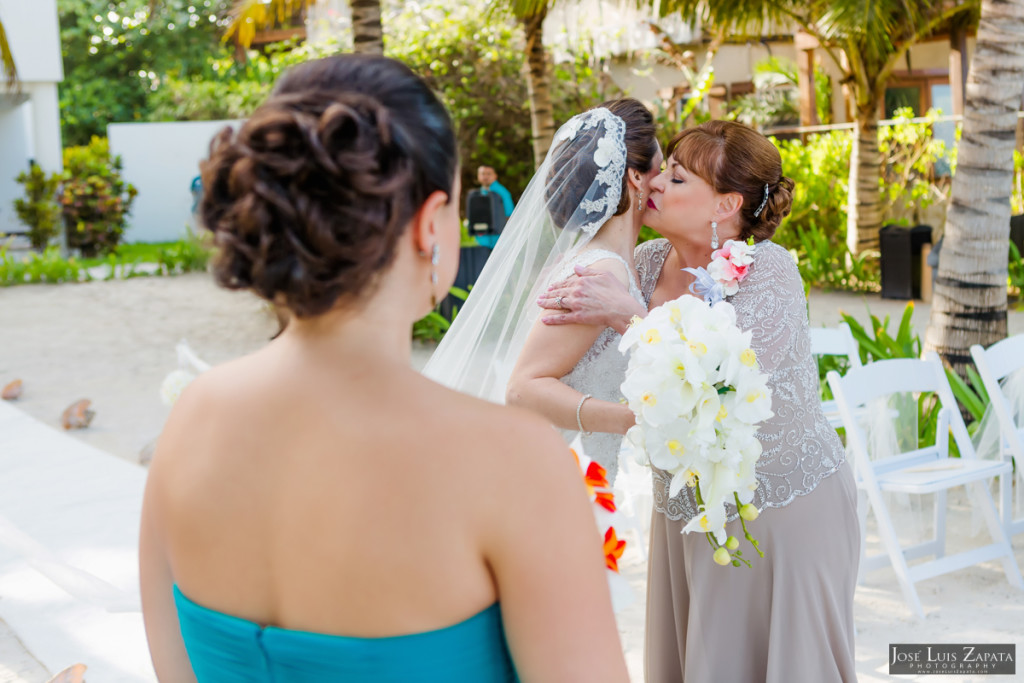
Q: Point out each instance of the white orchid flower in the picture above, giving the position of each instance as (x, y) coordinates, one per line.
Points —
(174, 384)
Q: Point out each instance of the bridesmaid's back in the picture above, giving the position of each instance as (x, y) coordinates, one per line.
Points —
(318, 508)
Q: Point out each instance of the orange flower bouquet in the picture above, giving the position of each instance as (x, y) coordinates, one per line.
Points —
(607, 516)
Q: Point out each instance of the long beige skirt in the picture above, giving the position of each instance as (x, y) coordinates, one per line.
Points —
(789, 619)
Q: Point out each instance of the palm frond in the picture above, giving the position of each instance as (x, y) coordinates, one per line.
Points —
(7, 59)
(871, 24)
(523, 9)
(249, 16)
(736, 17)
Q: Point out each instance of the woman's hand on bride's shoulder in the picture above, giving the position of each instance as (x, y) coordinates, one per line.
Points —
(593, 297)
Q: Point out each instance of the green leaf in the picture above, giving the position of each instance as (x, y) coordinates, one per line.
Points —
(965, 395)
(977, 384)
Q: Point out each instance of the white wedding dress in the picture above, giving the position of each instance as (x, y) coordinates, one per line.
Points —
(602, 368)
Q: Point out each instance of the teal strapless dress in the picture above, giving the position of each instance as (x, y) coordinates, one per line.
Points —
(227, 649)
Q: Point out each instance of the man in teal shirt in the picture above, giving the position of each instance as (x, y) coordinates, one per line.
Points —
(488, 179)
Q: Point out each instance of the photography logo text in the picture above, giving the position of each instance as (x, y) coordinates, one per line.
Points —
(952, 659)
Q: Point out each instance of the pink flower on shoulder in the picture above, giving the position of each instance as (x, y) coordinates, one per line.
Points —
(731, 264)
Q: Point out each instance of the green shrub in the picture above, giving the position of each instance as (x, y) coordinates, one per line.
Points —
(95, 199)
(39, 209)
(228, 88)
(880, 344)
(909, 184)
(190, 254)
(1017, 195)
(829, 265)
(474, 59)
(820, 167)
(45, 267)
(433, 325)
(1015, 266)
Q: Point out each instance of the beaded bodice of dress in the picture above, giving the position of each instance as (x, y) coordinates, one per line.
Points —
(602, 368)
(800, 447)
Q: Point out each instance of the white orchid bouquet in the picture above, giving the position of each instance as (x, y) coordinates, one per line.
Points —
(190, 366)
(699, 396)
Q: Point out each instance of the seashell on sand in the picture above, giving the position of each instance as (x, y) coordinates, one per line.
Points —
(12, 391)
(77, 415)
(72, 674)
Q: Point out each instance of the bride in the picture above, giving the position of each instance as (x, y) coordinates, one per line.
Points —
(583, 208)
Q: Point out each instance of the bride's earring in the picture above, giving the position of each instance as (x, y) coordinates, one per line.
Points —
(714, 235)
(640, 202)
(435, 258)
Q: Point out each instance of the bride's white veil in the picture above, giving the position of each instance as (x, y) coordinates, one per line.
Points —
(575, 191)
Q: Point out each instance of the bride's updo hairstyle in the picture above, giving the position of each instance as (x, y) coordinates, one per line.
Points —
(308, 200)
(733, 157)
(641, 141)
(572, 173)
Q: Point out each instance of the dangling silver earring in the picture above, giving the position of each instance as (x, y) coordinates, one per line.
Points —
(714, 235)
(435, 258)
(639, 202)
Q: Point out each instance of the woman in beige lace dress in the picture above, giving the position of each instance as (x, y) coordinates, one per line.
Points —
(790, 616)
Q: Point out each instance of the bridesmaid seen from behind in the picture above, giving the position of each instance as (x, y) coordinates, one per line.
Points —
(318, 510)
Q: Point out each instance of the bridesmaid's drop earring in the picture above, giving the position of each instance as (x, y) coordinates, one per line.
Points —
(639, 202)
(714, 235)
(435, 258)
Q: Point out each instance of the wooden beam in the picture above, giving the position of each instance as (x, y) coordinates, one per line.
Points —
(958, 67)
(805, 78)
(279, 34)
(805, 41)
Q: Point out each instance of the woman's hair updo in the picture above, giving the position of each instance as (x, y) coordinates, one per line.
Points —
(308, 200)
(733, 157)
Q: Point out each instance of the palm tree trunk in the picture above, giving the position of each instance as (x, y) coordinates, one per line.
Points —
(538, 85)
(969, 304)
(367, 34)
(864, 212)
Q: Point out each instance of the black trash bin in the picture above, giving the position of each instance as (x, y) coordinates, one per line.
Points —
(901, 260)
(1017, 232)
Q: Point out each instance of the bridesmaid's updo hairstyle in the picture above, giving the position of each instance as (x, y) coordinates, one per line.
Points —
(309, 198)
(733, 157)
(571, 174)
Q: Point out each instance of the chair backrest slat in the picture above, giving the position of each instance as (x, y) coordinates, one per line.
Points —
(835, 341)
(1005, 356)
(882, 378)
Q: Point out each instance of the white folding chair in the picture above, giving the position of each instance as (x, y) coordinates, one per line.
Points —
(994, 364)
(921, 471)
(835, 341)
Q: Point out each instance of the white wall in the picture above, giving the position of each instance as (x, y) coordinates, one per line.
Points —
(160, 160)
(13, 155)
(29, 116)
(34, 34)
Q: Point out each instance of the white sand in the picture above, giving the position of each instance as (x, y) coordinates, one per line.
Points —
(113, 342)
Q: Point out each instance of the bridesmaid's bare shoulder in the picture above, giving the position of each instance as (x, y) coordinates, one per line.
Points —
(520, 445)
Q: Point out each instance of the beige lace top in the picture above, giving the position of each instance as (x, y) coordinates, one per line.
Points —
(800, 448)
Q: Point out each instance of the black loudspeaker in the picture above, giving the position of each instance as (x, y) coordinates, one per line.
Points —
(485, 213)
(901, 260)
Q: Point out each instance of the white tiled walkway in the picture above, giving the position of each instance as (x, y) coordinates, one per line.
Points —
(69, 516)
